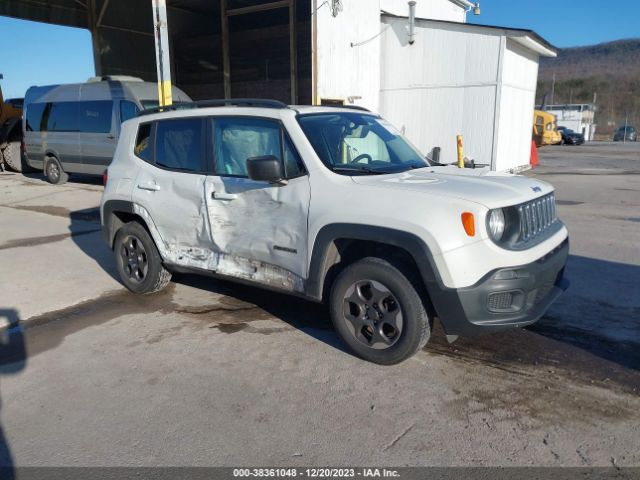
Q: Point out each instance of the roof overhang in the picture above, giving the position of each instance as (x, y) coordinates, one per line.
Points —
(530, 42)
(461, 3)
(527, 38)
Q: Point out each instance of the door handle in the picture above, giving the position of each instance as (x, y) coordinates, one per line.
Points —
(111, 137)
(152, 187)
(224, 196)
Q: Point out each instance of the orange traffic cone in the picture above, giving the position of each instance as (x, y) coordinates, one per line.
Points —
(534, 155)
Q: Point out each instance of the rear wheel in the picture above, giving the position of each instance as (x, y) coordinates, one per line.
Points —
(378, 312)
(54, 172)
(138, 261)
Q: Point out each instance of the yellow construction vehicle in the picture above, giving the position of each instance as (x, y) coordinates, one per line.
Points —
(545, 130)
(11, 132)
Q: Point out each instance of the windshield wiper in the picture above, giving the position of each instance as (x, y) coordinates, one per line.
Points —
(358, 170)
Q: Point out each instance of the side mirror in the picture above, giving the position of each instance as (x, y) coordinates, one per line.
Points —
(265, 169)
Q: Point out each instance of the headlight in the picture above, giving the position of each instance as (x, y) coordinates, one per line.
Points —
(496, 224)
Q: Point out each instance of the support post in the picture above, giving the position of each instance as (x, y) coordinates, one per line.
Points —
(92, 21)
(226, 64)
(293, 52)
(315, 98)
(163, 63)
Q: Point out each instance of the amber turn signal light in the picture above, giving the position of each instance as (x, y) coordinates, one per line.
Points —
(469, 223)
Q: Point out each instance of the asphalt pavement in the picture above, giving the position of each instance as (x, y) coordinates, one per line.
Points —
(212, 373)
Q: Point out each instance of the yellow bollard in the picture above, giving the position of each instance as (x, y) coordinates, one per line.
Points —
(460, 152)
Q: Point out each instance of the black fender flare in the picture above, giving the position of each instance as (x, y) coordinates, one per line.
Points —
(110, 220)
(409, 242)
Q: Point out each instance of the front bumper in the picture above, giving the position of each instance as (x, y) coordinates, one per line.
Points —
(504, 298)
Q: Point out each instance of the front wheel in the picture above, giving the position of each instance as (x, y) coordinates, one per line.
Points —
(54, 172)
(138, 261)
(378, 312)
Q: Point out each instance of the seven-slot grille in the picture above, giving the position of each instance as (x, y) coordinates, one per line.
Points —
(536, 216)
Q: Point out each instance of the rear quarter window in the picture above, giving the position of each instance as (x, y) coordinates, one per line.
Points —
(142, 148)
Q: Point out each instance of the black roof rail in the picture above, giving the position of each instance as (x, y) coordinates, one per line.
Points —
(169, 108)
(241, 102)
(352, 107)
(229, 102)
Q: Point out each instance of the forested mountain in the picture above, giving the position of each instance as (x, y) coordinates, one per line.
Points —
(610, 70)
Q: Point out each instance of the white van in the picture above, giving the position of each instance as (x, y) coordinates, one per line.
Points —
(75, 128)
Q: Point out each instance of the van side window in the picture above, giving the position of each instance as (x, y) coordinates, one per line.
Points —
(34, 117)
(128, 110)
(95, 116)
(179, 145)
(63, 117)
(143, 142)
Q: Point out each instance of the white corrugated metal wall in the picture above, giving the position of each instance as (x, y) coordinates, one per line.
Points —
(517, 101)
(435, 9)
(455, 79)
(348, 45)
(443, 85)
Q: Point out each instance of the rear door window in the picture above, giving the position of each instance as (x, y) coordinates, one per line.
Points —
(178, 145)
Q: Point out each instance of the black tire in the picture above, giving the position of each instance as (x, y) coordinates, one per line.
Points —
(54, 172)
(138, 261)
(359, 318)
(12, 156)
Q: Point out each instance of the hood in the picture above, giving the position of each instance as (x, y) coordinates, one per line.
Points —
(482, 186)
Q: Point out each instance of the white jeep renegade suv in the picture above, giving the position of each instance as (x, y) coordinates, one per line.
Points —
(332, 204)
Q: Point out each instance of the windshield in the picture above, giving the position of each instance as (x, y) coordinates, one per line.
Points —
(359, 143)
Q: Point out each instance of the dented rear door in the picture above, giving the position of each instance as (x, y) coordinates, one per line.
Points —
(170, 188)
(259, 230)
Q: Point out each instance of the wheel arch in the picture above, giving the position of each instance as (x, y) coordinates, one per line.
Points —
(116, 213)
(338, 245)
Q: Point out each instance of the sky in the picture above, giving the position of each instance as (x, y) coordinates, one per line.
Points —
(46, 54)
(564, 23)
(41, 54)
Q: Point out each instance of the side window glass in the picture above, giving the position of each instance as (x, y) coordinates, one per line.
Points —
(292, 163)
(95, 116)
(143, 142)
(63, 117)
(35, 113)
(236, 139)
(128, 110)
(179, 144)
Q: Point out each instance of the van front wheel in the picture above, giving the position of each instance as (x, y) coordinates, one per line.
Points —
(54, 172)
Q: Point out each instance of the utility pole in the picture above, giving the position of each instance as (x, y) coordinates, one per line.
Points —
(553, 89)
(163, 62)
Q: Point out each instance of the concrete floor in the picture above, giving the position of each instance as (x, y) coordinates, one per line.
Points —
(211, 373)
